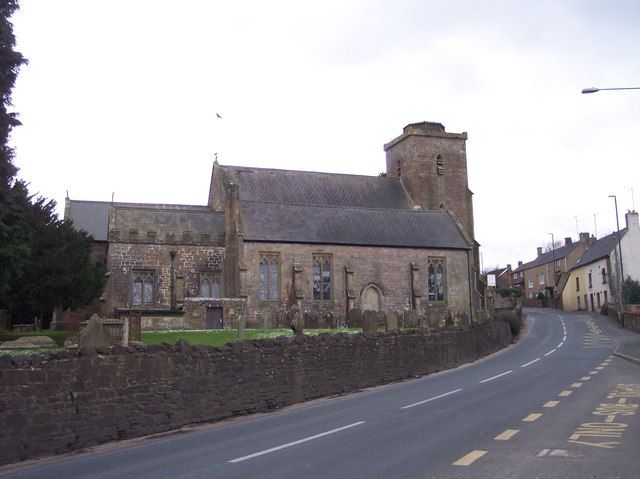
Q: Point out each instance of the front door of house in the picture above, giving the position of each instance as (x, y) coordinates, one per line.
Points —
(213, 318)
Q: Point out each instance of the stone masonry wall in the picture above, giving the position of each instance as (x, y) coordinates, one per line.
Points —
(67, 401)
(389, 269)
(124, 258)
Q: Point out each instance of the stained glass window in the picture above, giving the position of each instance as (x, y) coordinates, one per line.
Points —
(269, 276)
(321, 277)
(436, 279)
(209, 285)
(143, 288)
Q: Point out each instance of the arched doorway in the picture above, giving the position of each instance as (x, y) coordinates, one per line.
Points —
(371, 298)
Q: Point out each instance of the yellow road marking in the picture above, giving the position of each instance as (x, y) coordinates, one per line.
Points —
(469, 458)
(532, 417)
(564, 394)
(506, 435)
(610, 418)
(551, 404)
(576, 385)
(622, 401)
(586, 378)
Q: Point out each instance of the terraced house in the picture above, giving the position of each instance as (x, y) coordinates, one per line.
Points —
(269, 239)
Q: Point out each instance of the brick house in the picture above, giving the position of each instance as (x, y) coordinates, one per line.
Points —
(502, 277)
(270, 239)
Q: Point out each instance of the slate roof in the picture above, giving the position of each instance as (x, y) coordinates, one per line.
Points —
(284, 223)
(93, 216)
(600, 249)
(313, 188)
(90, 216)
(549, 256)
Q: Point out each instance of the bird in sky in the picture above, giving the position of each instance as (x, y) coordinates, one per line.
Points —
(218, 115)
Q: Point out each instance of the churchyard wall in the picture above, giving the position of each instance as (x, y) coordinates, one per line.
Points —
(56, 403)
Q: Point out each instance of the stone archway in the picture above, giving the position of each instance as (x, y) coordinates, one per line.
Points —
(371, 298)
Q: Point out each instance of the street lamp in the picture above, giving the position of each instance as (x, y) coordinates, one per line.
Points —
(615, 200)
(595, 90)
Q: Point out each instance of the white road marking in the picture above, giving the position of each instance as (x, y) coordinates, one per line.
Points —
(564, 338)
(530, 363)
(496, 376)
(547, 354)
(294, 443)
(431, 399)
(560, 345)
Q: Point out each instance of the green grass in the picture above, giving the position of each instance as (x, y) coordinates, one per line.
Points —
(218, 337)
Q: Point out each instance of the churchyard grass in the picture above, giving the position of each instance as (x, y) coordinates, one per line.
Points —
(218, 337)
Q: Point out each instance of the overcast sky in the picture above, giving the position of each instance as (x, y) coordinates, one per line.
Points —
(122, 96)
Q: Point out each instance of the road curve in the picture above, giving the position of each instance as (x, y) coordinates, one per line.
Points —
(492, 418)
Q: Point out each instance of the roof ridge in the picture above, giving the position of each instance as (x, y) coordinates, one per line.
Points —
(341, 207)
(307, 171)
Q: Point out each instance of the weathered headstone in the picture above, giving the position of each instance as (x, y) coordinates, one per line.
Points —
(448, 319)
(329, 320)
(281, 318)
(266, 318)
(354, 318)
(392, 321)
(29, 342)
(411, 319)
(311, 319)
(369, 321)
(433, 319)
(93, 335)
(463, 319)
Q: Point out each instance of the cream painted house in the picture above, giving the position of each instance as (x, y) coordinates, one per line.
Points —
(594, 278)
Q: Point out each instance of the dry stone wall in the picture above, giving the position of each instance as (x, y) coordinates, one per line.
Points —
(70, 400)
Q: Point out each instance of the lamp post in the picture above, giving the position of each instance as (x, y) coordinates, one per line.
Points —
(621, 269)
(595, 90)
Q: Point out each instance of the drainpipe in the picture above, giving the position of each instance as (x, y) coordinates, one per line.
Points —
(172, 282)
(470, 286)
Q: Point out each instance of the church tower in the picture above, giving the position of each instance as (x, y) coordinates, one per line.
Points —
(432, 165)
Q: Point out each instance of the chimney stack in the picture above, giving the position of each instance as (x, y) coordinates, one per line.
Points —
(632, 220)
(567, 240)
(584, 238)
(519, 263)
(509, 266)
(539, 251)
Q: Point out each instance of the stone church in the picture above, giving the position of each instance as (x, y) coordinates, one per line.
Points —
(268, 240)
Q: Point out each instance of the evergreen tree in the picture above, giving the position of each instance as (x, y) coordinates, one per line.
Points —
(631, 291)
(44, 263)
(10, 63)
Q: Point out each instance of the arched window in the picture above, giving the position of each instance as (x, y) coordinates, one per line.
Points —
(143, 290)
(440, 165)
(436, 280)
(269, 276)
(398, 169)
(321, 277)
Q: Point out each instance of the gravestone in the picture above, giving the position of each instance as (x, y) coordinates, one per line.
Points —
(354, 318)
(329, 320)
(411, 319)
(281, 318)
(392, 321)
(266, 318)
(241, 324)
(433, 319)
(382, 319)
(463, 319)
(311, 319)
(448, 319)
(29, 342)
(369, 321)
(93, 335)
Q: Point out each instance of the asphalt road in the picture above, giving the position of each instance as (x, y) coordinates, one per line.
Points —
(556, 404)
